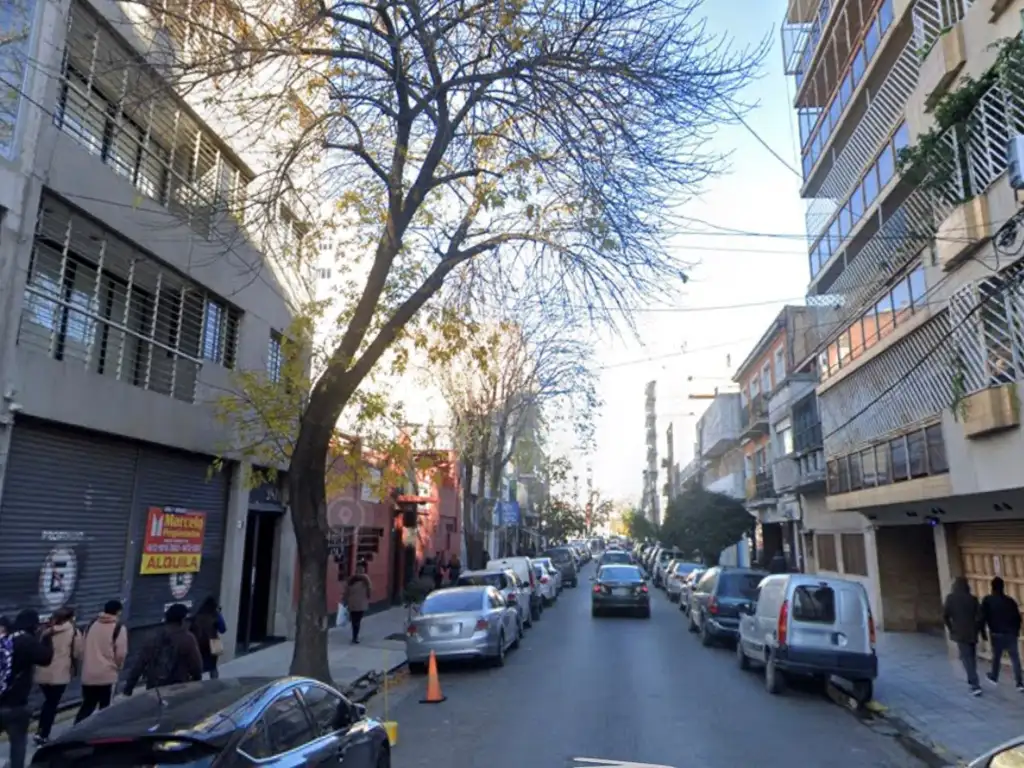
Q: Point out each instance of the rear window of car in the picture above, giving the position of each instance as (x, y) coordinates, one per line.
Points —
(452, 602)
(814, 604)
(684, 568)
(495, 580)
(560, 555)
(739, 584)
(615, 557)
(619, 573)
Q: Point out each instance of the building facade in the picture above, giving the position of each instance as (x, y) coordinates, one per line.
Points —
(651, 503)
(918, 375)
(130, 291)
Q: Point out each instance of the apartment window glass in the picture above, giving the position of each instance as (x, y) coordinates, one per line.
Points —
(885, 15)
(898, 457)
(832, 477)
(882, 464)
(917, 454)
(855, 558)
(936, 449)
(766, 377)
(901, 139)
(857, 203)
(825, 549)
(871, 184)
(833, 357)
(844, 475)
(860, 65)
(844, 347)
(15, 34)
(886, 166)
(901, 300)
(856, 475)
(869, 324)
(275, 357)
(867, 465)
(755, 387)
(884, 313)
(874, 37)
(780, 365)
(856, 339)
(917, 287)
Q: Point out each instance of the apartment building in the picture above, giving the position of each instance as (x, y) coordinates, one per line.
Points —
(671, 485)
(651, 502)
(917, 391)
(130, 291)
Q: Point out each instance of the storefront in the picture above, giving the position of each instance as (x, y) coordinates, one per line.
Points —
(991, 549)
(74, 517)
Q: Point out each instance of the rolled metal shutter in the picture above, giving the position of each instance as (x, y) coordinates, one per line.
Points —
(64, 519)
(172, 479)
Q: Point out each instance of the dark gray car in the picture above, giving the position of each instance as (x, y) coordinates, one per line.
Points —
(564, 561)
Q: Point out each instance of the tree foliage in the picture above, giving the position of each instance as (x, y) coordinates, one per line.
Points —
(539, 143)
(638, 527)
(706, 522)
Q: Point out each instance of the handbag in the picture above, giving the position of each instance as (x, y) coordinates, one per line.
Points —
(216, 646)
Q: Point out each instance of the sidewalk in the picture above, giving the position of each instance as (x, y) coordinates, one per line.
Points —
(375, 653)
(921, 688)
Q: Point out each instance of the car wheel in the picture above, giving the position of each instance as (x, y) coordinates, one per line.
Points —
(384, 757)
(741, 657)
(706, 638)
(499, 660)
(645, 613)
(594, 612)
(774, 678)
(690, 624)
(417, 668)
(519, 635)
(575, 583)
(863, 692)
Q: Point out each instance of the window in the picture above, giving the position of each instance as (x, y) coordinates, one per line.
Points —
(844, 347)
(814, 604)
(917, 287)
(886, 166)
(496, 580)
(256, 743)
(451, 602)
(871, 184)
(324, 273)
(884, 314)
(867, 465)
(766, 378)
(855, 557)
(936, 449)
(287, 724)
(786, 440)
(220, 327)
(856, 476)
(882, 464)
(901, 300)
(755, 387)
(734, 584)
(275, 358)
(900, 469)
(825, 548)
(917, 454)
(901, 139)
(323, 708)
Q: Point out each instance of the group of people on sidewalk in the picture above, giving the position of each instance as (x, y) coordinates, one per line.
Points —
(996, 619)
(54, 654)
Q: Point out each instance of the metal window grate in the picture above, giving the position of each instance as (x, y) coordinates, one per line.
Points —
(275, 357)
(120, 111)
(15, 32)
(94, 300)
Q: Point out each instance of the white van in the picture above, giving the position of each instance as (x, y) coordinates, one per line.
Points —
(808, 625)
(523, 568)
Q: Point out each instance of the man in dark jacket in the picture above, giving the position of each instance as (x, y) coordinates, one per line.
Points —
(1001, 615)
(172, 657)
(962, 616)
(27, 652)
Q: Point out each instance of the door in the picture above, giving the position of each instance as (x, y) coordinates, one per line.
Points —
(257, 579)
(348, 745)
(992, 549)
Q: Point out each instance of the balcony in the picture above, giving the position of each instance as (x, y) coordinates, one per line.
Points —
(730, 485)
(796, 388)
(719, 427)
(761, 487)
(800, 474)
(755, 417)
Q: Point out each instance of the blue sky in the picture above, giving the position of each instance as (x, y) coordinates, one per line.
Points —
(756, 194)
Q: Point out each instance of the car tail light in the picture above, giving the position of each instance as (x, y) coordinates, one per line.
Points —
(543, 579)
(481, 625)
(871, 629)
(512, 599)
(713, 605)
(782, 628)
(532, 582)
(411, 630)
(643, 588)
(597, 589)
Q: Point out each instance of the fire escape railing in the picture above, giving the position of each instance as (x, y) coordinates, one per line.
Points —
(932, 18)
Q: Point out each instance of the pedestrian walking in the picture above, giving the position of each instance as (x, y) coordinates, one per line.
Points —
(454, 569)
(439, 570)
(105, 651)
(357, 599)
(962, 617)
(20, 653)
(171, 657)
(208, 625)
(54, 677)
(1001, 616)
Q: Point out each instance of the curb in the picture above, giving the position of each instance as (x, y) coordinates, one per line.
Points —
(367, 694)
(928, 751)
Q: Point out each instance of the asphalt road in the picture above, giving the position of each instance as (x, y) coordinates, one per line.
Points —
(626, 690)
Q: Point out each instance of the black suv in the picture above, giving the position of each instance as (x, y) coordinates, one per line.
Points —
(716, 599)
(564, 561)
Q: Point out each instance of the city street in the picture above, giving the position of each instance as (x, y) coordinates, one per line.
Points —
(630, 690)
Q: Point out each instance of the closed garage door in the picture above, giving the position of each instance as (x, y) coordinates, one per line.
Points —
(67, 503)
(993, 549)
(171, 479)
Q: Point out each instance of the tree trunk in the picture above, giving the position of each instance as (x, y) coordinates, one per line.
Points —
(469, 532)
(307, 484)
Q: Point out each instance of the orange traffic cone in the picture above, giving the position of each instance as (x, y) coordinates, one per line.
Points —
(434, 695)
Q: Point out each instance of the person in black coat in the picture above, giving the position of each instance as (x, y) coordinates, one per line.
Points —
(961, 614)
(1001, 614)
(28, 650)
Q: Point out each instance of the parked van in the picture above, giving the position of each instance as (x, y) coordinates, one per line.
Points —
(808, 625)
(523, 568)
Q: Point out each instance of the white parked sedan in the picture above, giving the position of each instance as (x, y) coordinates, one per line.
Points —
(553, 572)
(677, 573)
(548, 587)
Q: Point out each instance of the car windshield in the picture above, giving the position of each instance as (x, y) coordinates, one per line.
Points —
(739, 584)
(482, 580)
(538, 571)
(560, 555)
(620, 573)
(454, 601)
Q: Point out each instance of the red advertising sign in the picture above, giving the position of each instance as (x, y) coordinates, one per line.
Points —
(173, 542)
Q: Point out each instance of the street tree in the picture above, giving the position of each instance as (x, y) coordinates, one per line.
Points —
(638, 527)
(552, 137)
(704, 522)
(562, 520)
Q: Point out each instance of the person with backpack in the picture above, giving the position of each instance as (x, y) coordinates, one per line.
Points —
(171, 657)
(20, 653)
(104, 653)
(207, 626)
(53, 678)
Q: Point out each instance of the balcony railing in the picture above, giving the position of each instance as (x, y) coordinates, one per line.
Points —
(932, 18)
(799, 41)
(865, 404)
(761, 486)
(794, 474)
(730, 485)
(720, 426)
(917, 454)
(755, 416)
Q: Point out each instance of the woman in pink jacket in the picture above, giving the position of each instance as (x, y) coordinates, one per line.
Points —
(106, 648)
(53, 679)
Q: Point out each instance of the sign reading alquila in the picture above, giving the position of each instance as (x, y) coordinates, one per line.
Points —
(173, 541)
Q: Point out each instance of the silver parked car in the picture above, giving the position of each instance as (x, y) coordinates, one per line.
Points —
(462, 623)
(507, 583)
(553, 572)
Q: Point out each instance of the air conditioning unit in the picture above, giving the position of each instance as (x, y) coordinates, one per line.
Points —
(1015, 161)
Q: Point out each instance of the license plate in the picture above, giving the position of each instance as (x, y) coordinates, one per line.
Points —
(445, 629)
(622, 591)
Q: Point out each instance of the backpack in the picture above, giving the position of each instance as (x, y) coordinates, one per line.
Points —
(163, 665)
(6, 663)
